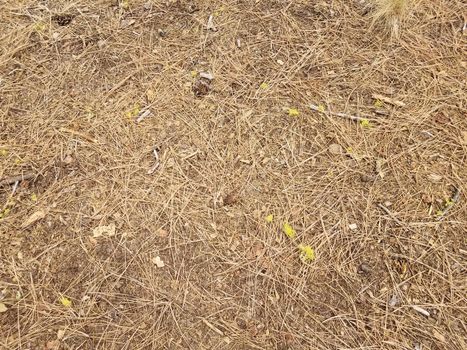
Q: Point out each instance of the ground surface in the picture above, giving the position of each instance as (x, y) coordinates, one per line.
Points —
(230, 155)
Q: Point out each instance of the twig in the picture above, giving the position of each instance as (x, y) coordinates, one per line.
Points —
(387, 211)
(214, 328)
(157, 163)
(389, 100)
(142, 115)
(17, 178)
(341, 115)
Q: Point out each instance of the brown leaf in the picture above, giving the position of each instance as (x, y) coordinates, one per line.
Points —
(38, 215)
(201, 87)
(231, 198)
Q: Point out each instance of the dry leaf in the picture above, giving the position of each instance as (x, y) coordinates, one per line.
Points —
(439, 336)
(435, 177)
(231, 198)
(107, 231)
(3, 308)
(158, 262)
(38, 215)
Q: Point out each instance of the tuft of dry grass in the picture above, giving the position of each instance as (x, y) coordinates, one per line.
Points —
(392, 13)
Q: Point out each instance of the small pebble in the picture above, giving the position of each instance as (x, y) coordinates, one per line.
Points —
(393, 301)
(364, 268)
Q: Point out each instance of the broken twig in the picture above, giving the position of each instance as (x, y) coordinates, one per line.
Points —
(389, 100)
(387, 211)
(341, 115)
(142, 115)
(157, 163)
(214, 328)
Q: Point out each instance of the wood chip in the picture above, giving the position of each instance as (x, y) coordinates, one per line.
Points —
(38, 215)
(210, 25)
(206, 75)
(158, 262)
(421, 310)
(101, 231)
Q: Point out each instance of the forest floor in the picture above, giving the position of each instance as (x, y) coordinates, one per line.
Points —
(176, 175)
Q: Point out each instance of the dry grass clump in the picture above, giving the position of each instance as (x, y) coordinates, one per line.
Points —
(392, 13)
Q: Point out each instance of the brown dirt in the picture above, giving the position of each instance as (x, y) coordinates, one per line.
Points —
(71, 74)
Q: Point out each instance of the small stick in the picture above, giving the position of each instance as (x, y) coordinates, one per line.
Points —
(142, 115)
(341, 115)
(13, 179)
(387, 211)
(155, 166)
(389, 100)
(214, 328)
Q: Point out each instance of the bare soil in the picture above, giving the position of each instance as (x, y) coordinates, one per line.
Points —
(380, 199)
